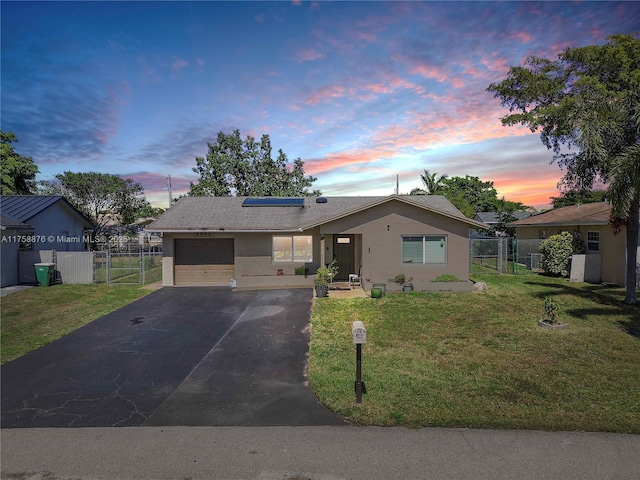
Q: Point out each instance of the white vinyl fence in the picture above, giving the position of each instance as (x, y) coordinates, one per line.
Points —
(75, 267)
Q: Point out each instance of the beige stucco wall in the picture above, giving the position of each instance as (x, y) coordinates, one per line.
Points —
(612, 247)
(379, 232)
(254, 266)
(378, 248)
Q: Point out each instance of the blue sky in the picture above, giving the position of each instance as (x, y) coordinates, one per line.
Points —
(360, 91)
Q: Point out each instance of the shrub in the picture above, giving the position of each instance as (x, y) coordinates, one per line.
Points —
(325, 274)
(447, 277)
(552, 309)
(556, 254)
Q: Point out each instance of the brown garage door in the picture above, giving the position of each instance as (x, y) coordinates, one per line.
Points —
(204, 261)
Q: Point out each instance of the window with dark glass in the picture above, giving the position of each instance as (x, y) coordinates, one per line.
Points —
(425, 249)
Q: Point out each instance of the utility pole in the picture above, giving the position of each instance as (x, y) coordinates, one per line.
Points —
(170, 192)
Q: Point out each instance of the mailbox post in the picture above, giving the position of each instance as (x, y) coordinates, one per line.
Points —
(359, 334)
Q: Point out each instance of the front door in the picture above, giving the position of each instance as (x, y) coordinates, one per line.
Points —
(343, 254)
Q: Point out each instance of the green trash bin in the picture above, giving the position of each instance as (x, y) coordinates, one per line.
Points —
(45, 273)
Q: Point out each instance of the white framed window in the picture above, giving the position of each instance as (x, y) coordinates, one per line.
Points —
(425, 249)
(293, 248)
(593, 241)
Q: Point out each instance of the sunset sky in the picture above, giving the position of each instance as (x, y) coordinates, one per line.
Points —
(360, 91)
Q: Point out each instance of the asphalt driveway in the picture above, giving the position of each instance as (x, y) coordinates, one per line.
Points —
(179, 356)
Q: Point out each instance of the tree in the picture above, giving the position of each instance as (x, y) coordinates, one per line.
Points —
(433, 183)
(586, 106)
(100, 196)
(245, 168)
(471, 195)
(468, 194)
(504, 218)
(18, 172)
(575, 197)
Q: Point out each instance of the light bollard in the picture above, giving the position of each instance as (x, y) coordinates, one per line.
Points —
(359, 334)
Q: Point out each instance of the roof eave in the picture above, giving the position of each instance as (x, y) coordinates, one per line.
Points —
(150, 229)
(401, 198)
(558, 224)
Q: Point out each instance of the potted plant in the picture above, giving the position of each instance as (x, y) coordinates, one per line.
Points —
(376, 292)
(322, 278)
(552, 308)
(405, 283)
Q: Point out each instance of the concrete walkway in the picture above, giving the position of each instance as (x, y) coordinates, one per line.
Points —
(315, 453)
(4, 291)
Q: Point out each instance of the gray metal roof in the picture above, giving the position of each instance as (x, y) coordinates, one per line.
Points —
(24, 207)
(228, 214)
(13, 224)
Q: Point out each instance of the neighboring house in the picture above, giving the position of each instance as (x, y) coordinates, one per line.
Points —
(259, 242)
(12, 232)
(57, 225)
(492, 219)
(39, 222)
(590, 223)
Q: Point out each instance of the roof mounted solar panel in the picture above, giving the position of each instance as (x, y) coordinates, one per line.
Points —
(273, 202)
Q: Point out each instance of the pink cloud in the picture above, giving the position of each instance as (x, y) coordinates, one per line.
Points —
(429, 71)
(378, 88)
(309, 55)
(155, 185)
(179, 64)
(369, 37)
(524, 37)
(326, 93)
(457, 82)
(401, 83)
(347, 158)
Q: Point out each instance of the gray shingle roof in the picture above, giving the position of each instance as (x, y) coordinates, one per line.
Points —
(227, 213)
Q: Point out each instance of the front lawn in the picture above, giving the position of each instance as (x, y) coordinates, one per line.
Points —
(480, 360)
(34, 317)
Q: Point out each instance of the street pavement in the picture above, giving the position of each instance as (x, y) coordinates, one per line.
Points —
(315, 453)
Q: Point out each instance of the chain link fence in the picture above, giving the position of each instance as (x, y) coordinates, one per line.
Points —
(504, 255)
(127, 263)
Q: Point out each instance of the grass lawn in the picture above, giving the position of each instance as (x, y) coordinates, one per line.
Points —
(36, 316)
(480, 360)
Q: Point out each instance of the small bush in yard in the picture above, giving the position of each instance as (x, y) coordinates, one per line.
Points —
(556, 254)
(552, 309)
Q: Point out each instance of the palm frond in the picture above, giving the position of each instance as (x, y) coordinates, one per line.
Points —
(624, 181)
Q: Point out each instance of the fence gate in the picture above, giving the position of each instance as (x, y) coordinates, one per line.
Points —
(491, 255)
(124, 268)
